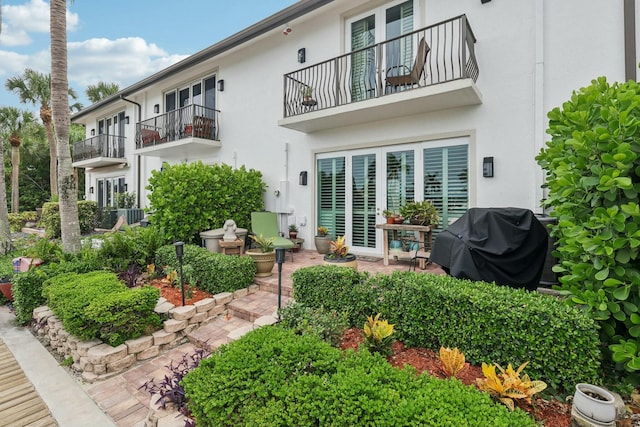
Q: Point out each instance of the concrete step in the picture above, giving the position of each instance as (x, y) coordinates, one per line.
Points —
(216, 333)
(256, 305)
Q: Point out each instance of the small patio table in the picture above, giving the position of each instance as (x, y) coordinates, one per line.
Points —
(424, 231)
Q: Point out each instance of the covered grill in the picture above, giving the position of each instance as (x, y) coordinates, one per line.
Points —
(503, 245)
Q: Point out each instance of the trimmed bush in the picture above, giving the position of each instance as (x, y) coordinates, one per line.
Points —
(489, 323)
(134, 245)
(272, 377)
(188, 198)
(18, 220)
(51, 217)
(209, 271)
(97, 305)
(329, 325)
(27, 292)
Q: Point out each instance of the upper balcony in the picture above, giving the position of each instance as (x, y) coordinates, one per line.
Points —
(99, 151)
(430, 69)
(188, 132)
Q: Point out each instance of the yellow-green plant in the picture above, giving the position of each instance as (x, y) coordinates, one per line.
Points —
(377, 335)
(507, 385)
(337, 248)
(265, 244)
(452, 361)
(323, 231)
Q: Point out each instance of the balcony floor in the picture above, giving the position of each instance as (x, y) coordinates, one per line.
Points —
(453, 94)
(189, 148)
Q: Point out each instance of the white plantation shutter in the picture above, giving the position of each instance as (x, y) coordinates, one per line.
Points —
(400, 178)
(363, 202)
(363, 76)
(331, 195)
(446, 181)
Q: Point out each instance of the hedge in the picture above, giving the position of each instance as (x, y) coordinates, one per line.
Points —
(51, 217)
(211, 272)
(489, 323)
(273, 377)
(97, 305)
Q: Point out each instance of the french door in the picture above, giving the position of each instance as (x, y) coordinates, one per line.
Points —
(364, 31)
(355, 186)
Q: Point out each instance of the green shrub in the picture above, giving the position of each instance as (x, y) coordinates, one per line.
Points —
(19, 220)
(209, 271)
(330, 326)
(124, 315)
(188, 198)
(272, 377)
(493, 324)
(27, 292)
(51, 217)
(97, 305)
(592, 168)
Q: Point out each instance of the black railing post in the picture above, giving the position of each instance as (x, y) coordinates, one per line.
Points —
(464, 42)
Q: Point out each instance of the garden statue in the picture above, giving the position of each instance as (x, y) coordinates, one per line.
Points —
(229, 229)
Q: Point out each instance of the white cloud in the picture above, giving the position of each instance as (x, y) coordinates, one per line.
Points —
(32, 17)
(123, 61)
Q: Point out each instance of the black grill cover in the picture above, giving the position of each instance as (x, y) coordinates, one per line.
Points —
(503, 245)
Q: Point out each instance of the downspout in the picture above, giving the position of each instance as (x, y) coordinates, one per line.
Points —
(538, 105)
(137, 156)
(630, 65)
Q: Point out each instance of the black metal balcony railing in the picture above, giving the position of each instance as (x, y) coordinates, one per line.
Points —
(436, 54)
(104, 145)
(189, 121)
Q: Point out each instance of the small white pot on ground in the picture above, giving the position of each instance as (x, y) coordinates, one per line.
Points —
(595, 403)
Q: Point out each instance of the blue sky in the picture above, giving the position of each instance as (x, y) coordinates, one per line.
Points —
(119, 41)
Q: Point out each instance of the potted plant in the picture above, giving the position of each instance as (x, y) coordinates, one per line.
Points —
(389, 215)
(595, 403)
(5, 287)
(293, 231)
(339, 254)
(307, 95)
(264, 255)
(322, 240)
(420, 213)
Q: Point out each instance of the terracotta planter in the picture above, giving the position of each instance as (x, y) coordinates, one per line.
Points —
(348, 261)
(5, 288)
(322, 244)
(391, 220)
(601, 408)
(264, 262)
(293, 234)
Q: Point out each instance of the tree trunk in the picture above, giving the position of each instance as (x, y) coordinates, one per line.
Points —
(69, 223)
(15, 174)
(45, 116)
(5, 231)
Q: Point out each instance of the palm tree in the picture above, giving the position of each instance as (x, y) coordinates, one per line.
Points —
(69, 223)
(100, 91)
(5, 231)
(33, 87)
(12, 121)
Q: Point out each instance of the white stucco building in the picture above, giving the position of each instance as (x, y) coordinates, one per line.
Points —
(407, 99)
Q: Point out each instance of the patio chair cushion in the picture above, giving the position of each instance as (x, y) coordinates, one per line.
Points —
(266, 223)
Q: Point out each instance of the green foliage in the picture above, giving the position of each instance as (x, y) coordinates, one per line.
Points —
(492, 323)
(209, 271)
(134, 245)
(190, 198)
(273, 377)
(125, 200)
(265, 244)
(378, 335)
(328, 325)
(593, 175)
(27, 292)
(97, 305)
(51, 217)
(422, 212)
(45, 250)
(18, 220)
(124, 315)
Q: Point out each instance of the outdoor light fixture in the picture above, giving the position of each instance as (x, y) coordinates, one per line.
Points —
(302, 55)
(179, 254)
(124, 187)
(484, 1)
(126, 119)
(156, 108)
(93, 132)
(91, 190)
(279, 260)
(487, 167)
(221, 85)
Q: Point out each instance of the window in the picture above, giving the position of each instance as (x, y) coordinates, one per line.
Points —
(331, 195)
(108, 189)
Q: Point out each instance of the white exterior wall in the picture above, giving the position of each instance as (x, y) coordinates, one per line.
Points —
(531, 55)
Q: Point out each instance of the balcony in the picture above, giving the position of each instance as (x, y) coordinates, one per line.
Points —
(188, 132)
(99, 151)
(430, 69)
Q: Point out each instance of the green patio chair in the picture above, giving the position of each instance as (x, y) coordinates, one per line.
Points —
(266, 223)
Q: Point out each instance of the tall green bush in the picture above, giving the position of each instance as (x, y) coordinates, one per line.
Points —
(188, 198)
(592, 169)
(51, 217)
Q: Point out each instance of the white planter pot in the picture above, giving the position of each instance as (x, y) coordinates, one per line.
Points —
(602, 410)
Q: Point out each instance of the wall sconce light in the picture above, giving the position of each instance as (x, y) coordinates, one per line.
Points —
(91, 190)
(303, 178)
(126, 119)
(221, 85)
(302, 55)
(124, 187)
(487, 167)
(156, 108)
(484, 1)
(93, 132)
